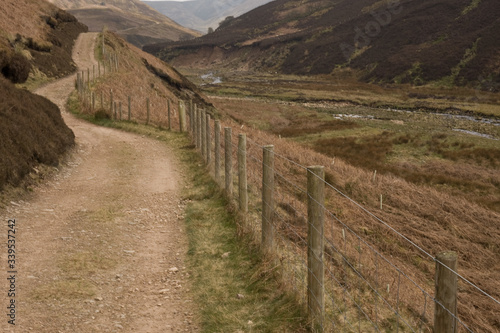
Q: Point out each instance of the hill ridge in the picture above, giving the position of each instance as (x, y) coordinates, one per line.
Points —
(204, 14)
(137, 22)
(409, 41)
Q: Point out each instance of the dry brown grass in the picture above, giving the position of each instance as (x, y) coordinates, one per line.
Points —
(135, 80)
(344, 86)
(132, 18)
(433, 219)
(413, 147)
(13, 12)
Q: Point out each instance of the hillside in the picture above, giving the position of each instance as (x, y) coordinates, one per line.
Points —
(36, 39)
(410, 41)
(33, 133)
(136, 22)
(139, 76)
(203, 14)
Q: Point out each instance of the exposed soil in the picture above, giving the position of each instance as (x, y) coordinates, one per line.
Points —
(101, 247)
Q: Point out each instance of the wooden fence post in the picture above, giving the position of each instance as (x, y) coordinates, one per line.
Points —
(88, 77)
(147, 115)
(228, 150)
(242, 172)
(217, 151)
(169, 117)
(99, 68)
(203, 118)
(111, 102)
(78, 84)
(120, 108)
(445, 312)
(268, 199)
(198, 125)
(208, 145)
(93, 100)
(195, 126)
(129, 108)
(182, 116)
(115, 110)
(315, 248)
(93, 73)
(191, 111)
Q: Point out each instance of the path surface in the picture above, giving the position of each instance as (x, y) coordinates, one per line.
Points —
(101, 247)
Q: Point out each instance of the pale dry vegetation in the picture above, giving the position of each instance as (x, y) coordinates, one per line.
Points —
(133, 78)
(13, 10)
(433, 219)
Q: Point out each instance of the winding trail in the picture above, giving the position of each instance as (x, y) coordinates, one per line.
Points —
(101, 247)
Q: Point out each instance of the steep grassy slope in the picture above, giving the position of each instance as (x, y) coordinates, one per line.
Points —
(138, 23)
(449, 41)
(140, 76)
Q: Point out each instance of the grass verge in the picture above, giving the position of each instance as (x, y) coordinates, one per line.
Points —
(235, 289)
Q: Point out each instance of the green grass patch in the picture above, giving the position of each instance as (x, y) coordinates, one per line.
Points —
(237, 290)
(66, 289)
(85, 263)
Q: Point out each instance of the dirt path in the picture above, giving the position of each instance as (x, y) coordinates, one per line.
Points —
(101, 247)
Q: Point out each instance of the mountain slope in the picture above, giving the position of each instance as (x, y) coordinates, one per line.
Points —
(451, 41)
(136, 22)
(203, 14)
(36, 39)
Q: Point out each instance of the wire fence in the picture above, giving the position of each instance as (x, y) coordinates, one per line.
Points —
(350, 277)
(96, 98)
(363, 286)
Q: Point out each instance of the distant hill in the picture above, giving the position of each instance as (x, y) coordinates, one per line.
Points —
(202, 14)
(138, 23)
(414, 41)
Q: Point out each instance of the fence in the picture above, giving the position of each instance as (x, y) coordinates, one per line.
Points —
(346, 282)
(346, 277)
(154, 110)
